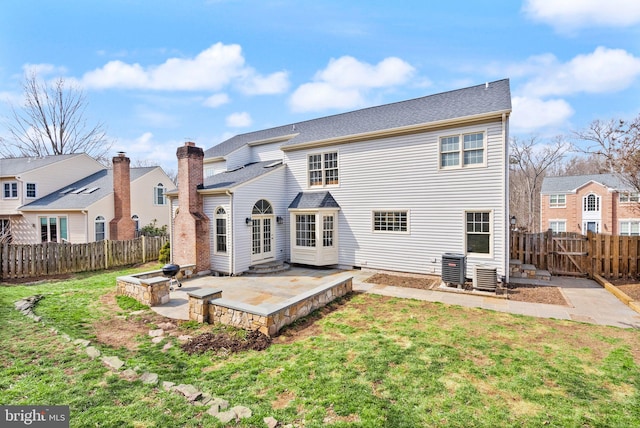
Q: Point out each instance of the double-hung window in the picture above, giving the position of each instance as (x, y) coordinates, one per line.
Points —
(323, 169)
(100, 228)
(478, 231)
(627, 197)
(305, 230)
(557, 226)
(463, 150)
(557, 201)
(630, 228)
(10, 190)
(31, 190)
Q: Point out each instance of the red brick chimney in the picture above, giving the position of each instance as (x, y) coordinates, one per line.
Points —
(191, 226)
(122, 226)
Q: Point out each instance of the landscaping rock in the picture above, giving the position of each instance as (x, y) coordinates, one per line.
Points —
(226, 417)
(149, 378)
(270, 421)
(167, 385)
(156, 333)
(220, 403)
(129, 374)
(187, 390)
(205, 399)
(242, 412)
(142, 311)
(81, 342)
(184, 338)
(167, 346)
(66, 337)
(93, 352)
(157, 339)
(113, 363)
(167, 326)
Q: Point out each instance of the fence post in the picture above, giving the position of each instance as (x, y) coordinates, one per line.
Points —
(106, 254)
(144, 249)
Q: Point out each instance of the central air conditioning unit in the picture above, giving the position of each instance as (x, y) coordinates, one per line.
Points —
(454, 268)
(485, 278)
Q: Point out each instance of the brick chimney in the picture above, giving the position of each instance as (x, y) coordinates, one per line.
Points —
(191, 226)
(122, 226)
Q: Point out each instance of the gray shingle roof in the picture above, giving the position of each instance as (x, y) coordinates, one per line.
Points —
(233, 178)
(313, 200)
(571, 183)
(460, 103)
(102, 180)
(10, 167)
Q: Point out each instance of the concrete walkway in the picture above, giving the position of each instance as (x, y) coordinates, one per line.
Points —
(588, 301)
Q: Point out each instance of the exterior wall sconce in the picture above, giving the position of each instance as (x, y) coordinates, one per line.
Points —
(512, 222)
(279, 220)
(247, 221)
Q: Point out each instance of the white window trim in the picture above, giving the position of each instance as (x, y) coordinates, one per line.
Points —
(224, 217)
(491, 233)
(323, 185)
(461, 151)
(59, 237)
(15, 183)
(628, 196)
(26, 191)
(393, 232)
(155, 195)
(95, 231)
(556, 204)
(314, 214)
(587, 221)
(558, 220)
(598, 203)
(626, 220)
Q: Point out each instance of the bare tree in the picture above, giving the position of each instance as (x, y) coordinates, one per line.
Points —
(52, 122)
(529, 161)
(618, 143)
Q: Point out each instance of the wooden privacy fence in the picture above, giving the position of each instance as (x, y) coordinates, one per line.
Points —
(51, 258)
(610, 256)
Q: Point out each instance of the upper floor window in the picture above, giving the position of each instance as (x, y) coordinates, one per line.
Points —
(390, 221)
(31, 190)
(10, 190)
(158, 195)
(221, 230)
(478, 230)
(323, 169)
(558, 201)
(462, 150)
(629, 197)
(591, 202)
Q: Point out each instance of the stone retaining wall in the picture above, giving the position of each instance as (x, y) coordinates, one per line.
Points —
(270, 318)
(149, 288)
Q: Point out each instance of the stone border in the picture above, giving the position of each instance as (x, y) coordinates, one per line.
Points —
(621, 295)
(207, 305)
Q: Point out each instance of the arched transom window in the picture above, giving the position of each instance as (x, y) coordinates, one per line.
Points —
(591, 203)
(262, 207)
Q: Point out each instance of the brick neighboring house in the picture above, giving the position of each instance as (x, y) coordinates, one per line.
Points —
(601, 203)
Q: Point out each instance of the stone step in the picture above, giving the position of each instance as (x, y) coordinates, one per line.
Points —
(269, 267)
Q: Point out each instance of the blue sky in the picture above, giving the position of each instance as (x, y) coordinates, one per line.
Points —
(158, 73)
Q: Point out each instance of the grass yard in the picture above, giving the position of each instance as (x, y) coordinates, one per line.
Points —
(365, 360)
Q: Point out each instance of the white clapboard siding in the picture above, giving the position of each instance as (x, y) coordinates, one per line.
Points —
(265, 152)
(401, 173)
(238, 158)
(220, 262)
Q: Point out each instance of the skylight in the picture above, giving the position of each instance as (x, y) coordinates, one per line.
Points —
(67, 190)
(80, 190)
(93, 189)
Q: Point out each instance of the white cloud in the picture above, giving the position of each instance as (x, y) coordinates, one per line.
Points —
(216, 100)
(567, 15)
(239, 120)
(42, 70)
(531, 114)
(212, 69)
(254, 84)
(345, 82)
(604, 70)
(146, 148)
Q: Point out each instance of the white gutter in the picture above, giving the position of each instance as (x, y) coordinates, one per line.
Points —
(507, 219)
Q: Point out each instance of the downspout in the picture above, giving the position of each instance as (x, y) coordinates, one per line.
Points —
(231, 253)
(507, 222)
(86, 226)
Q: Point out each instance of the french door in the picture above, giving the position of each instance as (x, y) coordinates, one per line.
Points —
(262, 238)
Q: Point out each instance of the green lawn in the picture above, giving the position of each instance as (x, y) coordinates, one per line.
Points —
(366, 361)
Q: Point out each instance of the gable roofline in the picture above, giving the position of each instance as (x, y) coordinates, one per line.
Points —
(403, 130)
(233, 188)
(25, 164)
(491, 99)
(571, 184)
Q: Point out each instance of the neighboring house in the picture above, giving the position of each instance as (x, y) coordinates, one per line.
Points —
(73, 198)
(601, 203)
(389, 187)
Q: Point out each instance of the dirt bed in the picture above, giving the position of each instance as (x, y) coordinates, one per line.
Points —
(223, 342)
(523, 293)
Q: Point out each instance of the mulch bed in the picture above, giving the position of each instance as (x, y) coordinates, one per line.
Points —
(223, 342)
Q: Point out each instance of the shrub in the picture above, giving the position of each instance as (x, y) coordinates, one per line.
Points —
(165, 253)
